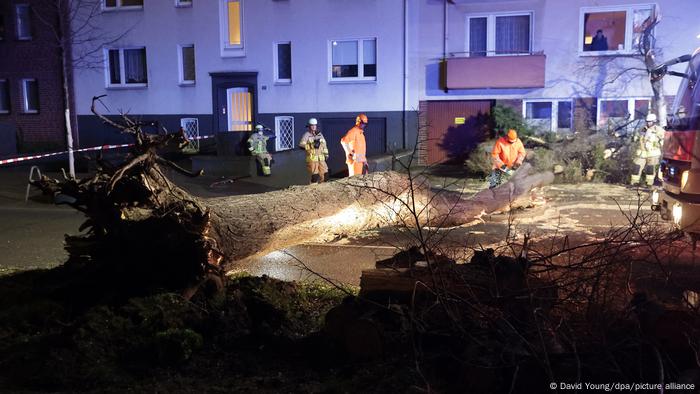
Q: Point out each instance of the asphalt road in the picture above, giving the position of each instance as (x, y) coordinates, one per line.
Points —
(32, 234)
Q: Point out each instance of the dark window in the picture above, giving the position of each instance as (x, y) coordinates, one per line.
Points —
(4, 96)
(132, 3)
(369, 58)
(24, 28)
(477, 37)
(30, 90)
(641, 109)
(539, 110)
(284, 61)
(188, 70)
(114, 67)
(110, 3)
(2, 27)
(564, 115)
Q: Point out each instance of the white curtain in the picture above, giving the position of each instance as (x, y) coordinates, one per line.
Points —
(513, 34)
(477, 37)
(135, 65)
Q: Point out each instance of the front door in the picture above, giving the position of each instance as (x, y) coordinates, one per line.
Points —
(234, 104)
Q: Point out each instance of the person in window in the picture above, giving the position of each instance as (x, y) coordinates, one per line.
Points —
(600, 42)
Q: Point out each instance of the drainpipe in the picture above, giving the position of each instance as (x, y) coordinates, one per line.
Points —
(405, 73)
(444, 41)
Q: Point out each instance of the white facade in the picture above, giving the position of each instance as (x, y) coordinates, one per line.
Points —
(309, 25)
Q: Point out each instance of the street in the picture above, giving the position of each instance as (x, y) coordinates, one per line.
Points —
(32, 233)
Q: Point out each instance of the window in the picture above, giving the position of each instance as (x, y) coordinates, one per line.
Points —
(4, 96)
(24, 26)
(126, 67)
(499, 34)
(122, 4)
(353, 59)
(231, 21)
(284, 131)
(187, 64)
(548, 115)
(2, 27)
(183, 3)
(611, 30)
(283, 62)
(30, 96)
(622, 113)
(190, 126)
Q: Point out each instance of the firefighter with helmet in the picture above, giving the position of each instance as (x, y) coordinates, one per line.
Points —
(314, 143)
(508, 154)
(257, 145)
(649, 142)
(355, 147)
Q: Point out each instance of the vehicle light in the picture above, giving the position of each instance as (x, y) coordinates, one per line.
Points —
(655, 197)
(677, 213)
(684, 179)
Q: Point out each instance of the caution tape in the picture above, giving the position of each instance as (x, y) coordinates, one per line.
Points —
(94, 148)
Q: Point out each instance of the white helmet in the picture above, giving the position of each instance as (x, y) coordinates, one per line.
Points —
(651, 118)
(312, 122)
(258, 127)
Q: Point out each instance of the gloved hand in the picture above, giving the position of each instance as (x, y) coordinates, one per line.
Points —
(503, 168)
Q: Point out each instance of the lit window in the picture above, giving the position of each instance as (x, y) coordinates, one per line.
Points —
(354, 59)
(30, 96)
(126, 67)
(612, 30)
(499, 34)
(183, 3)
(122, 4)
(24, 27)
(231, 19)
(548, 115)
(4, 96)
(283, 62)
(187, 65)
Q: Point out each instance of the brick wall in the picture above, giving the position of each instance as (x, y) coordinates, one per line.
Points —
(39, 59)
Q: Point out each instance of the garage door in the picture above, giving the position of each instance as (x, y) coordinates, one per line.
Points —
(455, 128)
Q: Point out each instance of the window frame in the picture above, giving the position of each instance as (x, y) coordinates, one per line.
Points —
(122, 70)
(360, 78)
(491, 31)
(181, 65)
(278, 121)
(9, 97)
(275, 51)
(629, 28)
(120, 7)
(17, 24)
(228, 50)
(630, 106)
(25, 96)
(554, 116)
(183, 3)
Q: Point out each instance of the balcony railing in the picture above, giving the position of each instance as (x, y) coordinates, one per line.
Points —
(476, 70)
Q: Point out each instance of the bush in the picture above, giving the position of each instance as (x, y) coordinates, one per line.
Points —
(479, 162)
(505, 118)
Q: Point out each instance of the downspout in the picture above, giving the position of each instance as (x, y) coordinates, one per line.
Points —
(444, 34)
(405, 73)
(445, 38)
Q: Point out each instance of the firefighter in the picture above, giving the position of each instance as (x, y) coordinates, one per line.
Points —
(649, 141)
(314, 143)
(258, 147)
(508, 154)
(355, 147)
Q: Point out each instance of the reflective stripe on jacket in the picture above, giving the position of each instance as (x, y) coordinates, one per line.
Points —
(650, 142)
(507, 153)
(313, 154)
(258, 143)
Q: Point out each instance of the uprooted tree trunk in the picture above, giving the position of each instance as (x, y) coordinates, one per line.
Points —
(138, 218)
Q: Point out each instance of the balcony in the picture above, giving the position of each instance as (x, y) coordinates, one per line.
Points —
(494, 72)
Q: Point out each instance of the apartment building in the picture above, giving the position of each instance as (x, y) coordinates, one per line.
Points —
(565, 65)
(222, 66)
(31, 93)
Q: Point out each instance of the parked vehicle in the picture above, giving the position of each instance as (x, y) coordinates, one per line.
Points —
(679, 197)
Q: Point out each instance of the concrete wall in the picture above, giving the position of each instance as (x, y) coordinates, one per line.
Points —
(556, 33)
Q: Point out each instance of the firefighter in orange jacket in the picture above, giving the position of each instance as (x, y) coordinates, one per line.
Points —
(355, 147)
(508, 154)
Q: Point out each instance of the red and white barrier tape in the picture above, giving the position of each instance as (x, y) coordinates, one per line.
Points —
(94, 148)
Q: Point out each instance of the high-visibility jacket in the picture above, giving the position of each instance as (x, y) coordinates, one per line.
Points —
(308, 141)
(649, 142)
(507, 153)
(257, 144)
(354, 142)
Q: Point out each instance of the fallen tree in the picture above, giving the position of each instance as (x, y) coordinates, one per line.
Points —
(136, 212)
